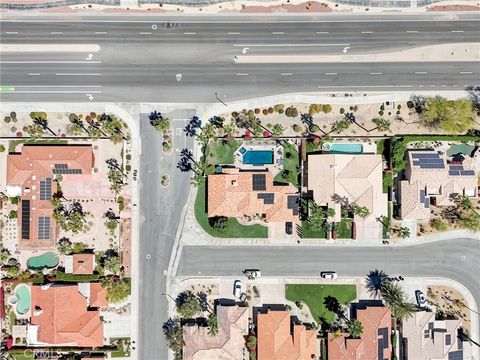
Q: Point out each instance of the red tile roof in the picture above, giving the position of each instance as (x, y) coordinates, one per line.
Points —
(98, 296)
(372, 319)
(62, 317)
(83, 264)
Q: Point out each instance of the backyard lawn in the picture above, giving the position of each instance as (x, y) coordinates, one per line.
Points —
(291, 160)
(309, 233)
(221, 152)
(313, 296)
(344, 229)
(233, 229)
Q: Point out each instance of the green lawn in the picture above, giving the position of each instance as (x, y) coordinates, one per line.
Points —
(313, 296)
(119, 353)
(309, 233)
(289, 165)
(21, 354)
(12, 144)
(313, 147)
(12, 318)
(221, 152)
(380, 146)
(344, 229)
(234, 228)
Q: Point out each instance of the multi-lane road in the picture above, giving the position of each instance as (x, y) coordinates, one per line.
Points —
(181, 59)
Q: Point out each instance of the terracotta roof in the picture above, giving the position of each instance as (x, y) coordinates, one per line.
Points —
(373, 319)
(433, 182)
(275, 341)
(62, 317)
(83, 264)
(36, 164)
(228, 344)
(231, 194)
(358, 177)
(98, 296)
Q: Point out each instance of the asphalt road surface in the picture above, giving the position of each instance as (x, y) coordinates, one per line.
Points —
(456, 259)
(175, 59)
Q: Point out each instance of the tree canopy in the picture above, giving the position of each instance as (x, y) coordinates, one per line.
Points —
(453, 116)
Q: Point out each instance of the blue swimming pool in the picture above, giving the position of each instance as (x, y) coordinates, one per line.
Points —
(346, 148)
(258, 157)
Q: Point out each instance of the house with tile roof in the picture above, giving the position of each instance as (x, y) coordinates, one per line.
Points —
(63, 315)
(33, 171)
(374, 344)
(245, 193)
(357, 178)
(79, 264)
(434, 180)
(227, 344)
(425, 338)
(279, 339)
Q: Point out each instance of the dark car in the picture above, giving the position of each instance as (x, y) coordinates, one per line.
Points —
(289, 228)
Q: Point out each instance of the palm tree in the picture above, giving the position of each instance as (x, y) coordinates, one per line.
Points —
(395, 299)
(317, 217)
(307, 119)
(217, 122)
(355, 328)
(43, 122)
(184, 165)
(330, 212)
(229, 129)
(277, 130)
(376, 280)
(463, 202)
(361, 211)
(212, 325)
(404, 232)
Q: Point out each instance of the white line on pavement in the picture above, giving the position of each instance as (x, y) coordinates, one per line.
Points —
(101, 32)
(230, 21)
(456, 31)
(145, 33)
(367, 32)
(33, 74)
(331, 73)
(50, 62)
(286, 74)
(411, 31)
(57, 86)
(55, 92)
(241, 74)
(365, 86)
(278, 33)
(279, 45)
(421, 73)
(322, 32)
(466, 72)
(72, 74)
(375, 73)
(233, 33)
(56, 33)
(189, 33)
(12, 32)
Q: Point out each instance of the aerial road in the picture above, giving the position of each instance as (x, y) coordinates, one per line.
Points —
(182, 59)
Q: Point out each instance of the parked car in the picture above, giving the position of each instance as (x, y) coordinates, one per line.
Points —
(289, 228)
(328, 274)
(237, 288)
(421, 299)
(252, 273)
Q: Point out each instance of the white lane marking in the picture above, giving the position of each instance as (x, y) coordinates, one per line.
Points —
(466, 72)
(331, 73)
(12, 32)
(51, 62)
(365, 86)
(101, 32)
(189, 33)
(241, 74)
(375, 73)
(33, 74)
(322, 32)
(455, 86)
(367, 32)
(54, 92)
(411, 31)
(233, 33)
(421, 73)
(57, 86)
(444, 85)
(456, 31)
(277, 33)
(278, 45)
(73, 74)
(56, 33)
(286, 74)
(145, 33)
(241, 21)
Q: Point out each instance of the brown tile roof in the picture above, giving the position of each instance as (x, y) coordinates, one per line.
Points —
(228, 344)
(83, 264)
(231, 194)
(60, 312)
(35, 163)
(372, 318)
(276, 342)
(98, 296)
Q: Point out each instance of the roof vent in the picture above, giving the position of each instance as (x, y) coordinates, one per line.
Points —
(234, 183)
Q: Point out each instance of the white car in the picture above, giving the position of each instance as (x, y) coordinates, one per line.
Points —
(328, 274)
(237, 288)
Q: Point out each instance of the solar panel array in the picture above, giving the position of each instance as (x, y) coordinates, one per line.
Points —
(44, 228)
(46, 189)
(292, 203)
(25, 219)
(268, 198)
(382, 342)
(448, 339)
(455, 355)
(63, 169)
(424, 199)
(428, 161)
(259, 182)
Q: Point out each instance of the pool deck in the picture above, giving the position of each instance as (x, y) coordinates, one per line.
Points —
(261, 145)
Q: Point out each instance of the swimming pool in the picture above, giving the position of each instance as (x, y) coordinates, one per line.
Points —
(23, 295)
(258, 157)
(44, 261)
(346, 148)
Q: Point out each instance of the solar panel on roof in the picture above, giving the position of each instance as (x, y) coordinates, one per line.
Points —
(268, 198)
(292, 203)
(454, 173)
(259, 182)
(425, 156)
(455, 355)
(382, 343)
(432, 166)
(431, 161)
(456, 167)
(46, 189)
(43, 228)
(467, 172)
(25, 219)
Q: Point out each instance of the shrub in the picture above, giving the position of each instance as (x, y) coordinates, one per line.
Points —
(265, 111)
(15, 200)
(219, 223)
(12, 214)
(278, 107)
(439, 224)
(291, 112)
(257, 111)
(128, 167)
(314, 108)
(166, 146)
(128, 157)
(410, 104)
(7, 119)
(326, 108)
(355, 108)
(234, 114)
(314, 128)
(297, 128)
(342, 111)
(2, 148)
(381, 113)
(281, 111)
(270, 110)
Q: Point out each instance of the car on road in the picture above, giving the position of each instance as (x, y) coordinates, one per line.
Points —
(289, 228)
(328, 274)
(252, 273)
(237, 288)
(421, 299)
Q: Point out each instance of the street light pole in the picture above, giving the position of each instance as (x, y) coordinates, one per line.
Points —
(223, 102)
(164, 294)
